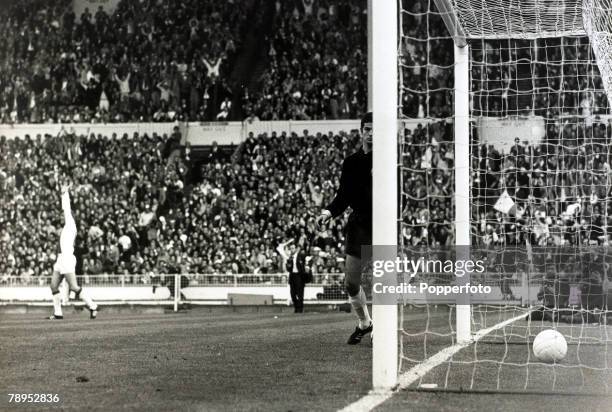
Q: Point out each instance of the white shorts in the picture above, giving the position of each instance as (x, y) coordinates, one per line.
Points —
(65, 264)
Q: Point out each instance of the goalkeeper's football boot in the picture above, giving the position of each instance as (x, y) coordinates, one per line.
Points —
(55, 317)
(356, 336)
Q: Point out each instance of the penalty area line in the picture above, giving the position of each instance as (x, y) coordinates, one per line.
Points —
(376, 398)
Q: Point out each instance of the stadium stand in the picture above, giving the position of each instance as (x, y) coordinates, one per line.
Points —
(162, 194)
(317, 63)
(565, 207)
(146, 205)
(555, 207)
(148, 61)
(545, 77)
(164, 197)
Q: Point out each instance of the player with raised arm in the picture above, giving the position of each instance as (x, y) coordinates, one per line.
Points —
(65, 266)
(355, 191)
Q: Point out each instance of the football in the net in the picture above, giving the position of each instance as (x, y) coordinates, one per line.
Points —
(549, 346)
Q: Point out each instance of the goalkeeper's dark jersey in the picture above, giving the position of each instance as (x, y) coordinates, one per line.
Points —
(355, 187)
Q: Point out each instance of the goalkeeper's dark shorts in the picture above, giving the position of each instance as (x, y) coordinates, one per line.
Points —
(358, 233)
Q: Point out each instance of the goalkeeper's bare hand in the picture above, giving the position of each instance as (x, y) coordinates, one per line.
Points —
(323, 219)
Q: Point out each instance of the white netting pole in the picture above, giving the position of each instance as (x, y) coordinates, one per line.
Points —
(597, 18)
(384, 182)
(462, 175)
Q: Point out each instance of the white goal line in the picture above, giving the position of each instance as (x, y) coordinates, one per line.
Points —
(375, 398)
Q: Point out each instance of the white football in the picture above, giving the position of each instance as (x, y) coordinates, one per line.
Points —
(549, 346)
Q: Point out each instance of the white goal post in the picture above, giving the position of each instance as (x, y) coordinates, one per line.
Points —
(465, 20)
(384, 93)
(462, 176)
(462, 150)
(383, 67)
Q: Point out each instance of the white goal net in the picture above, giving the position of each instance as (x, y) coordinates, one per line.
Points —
(597, 17)
(540, 190)
(538, 19)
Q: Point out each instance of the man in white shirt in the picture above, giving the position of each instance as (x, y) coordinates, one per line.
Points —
(65, 266)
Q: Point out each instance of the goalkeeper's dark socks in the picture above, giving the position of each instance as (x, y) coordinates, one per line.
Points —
(359, 333)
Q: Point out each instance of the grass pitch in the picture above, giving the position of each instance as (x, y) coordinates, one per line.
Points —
(202, 361)
(188, 361)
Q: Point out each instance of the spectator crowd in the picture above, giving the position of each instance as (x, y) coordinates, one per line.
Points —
(140, 212)
(544, 77)
(156, 60)
(150, 60)
(561, 187)
(317, 63)
(146, 205)
(547, 77)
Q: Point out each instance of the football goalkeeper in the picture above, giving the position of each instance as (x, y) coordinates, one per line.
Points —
(66, 263)
(355, 191)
